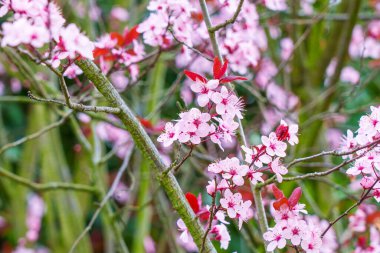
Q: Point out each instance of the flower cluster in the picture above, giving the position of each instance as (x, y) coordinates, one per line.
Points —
(365, 219)
(165, 14)
(218, 229)
(216, 122)
(290, 226)
(219, 108)
(118, 51)
(39, 22)
(366, 164)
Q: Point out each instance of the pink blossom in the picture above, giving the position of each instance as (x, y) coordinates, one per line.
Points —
(74, 43)
(222, 235)
(119, 13)
(72, 71)
(254, 176)
(170, 135)
(256, 156)
(278, 169)
(231, 201)
(243, 212)
(205, 90)
(273, 145)
(275, 237)
(227, 103)
(185, 234)
(360, 166)
(193, 126)
(350, 75)
(312, 242)
(276, 5)
(295, 231)
(234, 171)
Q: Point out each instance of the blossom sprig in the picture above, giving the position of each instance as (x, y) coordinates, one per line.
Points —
(216, 226)
(37, 24)
(272, 150)
(365, 170)
(216, 120)
(119, 51)
(291, 227)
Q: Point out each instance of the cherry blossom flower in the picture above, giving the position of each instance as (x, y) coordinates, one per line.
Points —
(243, 212)
(278, 169)
(222, 235)
(254, 176)
(170, 135)
(205, 90)
(360, 166)
(193, 126)
(185, 234)
(234, 171)
(227, 103)
(295, 231)
(231, 201)
(275, 237)
(73, 42)
(288, 133)
(273, 145)
(256, 155)
(312, 242)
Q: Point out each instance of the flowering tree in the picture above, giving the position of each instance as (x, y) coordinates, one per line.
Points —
(197, 126)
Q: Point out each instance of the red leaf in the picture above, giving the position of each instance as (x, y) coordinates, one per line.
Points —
(223, 69)
(118, 37)
(131, 35)
(205, 216)
(295, 197)
(277, 204)
(219, 70)
(216, 68)
(278, 194)
(99, 52)
(193, 201)
(228, 79)
(146, 123)
(194, 76)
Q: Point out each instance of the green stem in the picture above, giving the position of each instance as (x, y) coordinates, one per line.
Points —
(263, 223)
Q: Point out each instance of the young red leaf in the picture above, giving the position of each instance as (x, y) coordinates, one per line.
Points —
(146, 123)
(193, 201)
(131, 35)
(277, 204)
(223, 69)
(228, 79)
(118, 37)
(295, 197)
(194, 76)
(216, 68)
(99, 52)
(278, 194)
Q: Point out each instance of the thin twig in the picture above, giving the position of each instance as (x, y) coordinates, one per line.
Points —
(51, 186)
(364, 197)
(110, 193)
(36, 134)
(76, 106)
(228, 21)
(189, 47)
(332, 153)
